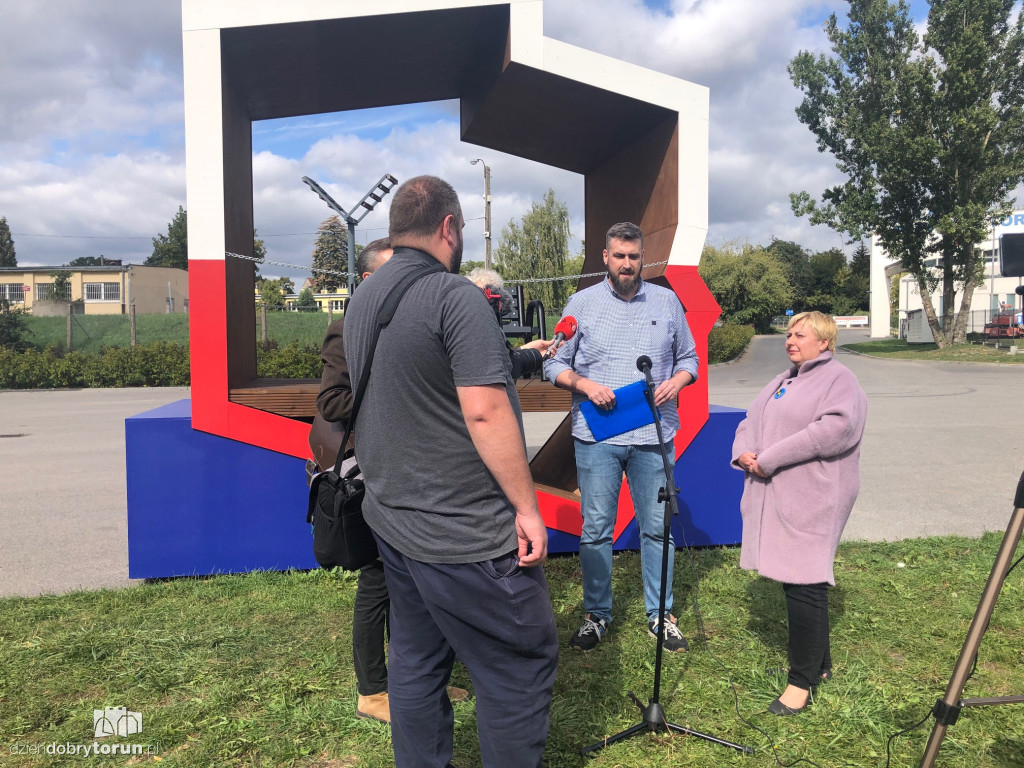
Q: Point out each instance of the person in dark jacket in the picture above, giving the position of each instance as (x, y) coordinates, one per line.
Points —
(526, 358)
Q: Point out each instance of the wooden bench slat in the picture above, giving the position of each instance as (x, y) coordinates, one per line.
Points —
(296, 398)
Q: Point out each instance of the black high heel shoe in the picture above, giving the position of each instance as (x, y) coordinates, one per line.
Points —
(780, 709)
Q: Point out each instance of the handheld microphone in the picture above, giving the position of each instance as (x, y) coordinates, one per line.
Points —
(565, 329)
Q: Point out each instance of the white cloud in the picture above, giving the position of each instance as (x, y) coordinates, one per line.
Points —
(91, 133)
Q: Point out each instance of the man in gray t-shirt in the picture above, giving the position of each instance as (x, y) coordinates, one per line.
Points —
(450, 498)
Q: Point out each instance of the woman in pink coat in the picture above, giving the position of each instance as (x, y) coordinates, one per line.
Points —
(800, 449)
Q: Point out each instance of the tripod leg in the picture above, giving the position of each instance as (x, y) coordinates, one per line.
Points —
(986, 605)
(707, 737)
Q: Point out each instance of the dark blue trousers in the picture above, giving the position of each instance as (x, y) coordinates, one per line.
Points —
(496, 617)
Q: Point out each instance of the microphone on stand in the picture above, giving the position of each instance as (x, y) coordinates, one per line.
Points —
(565, 329)
(643, 364)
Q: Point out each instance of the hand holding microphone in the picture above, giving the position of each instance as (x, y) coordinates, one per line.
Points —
(565, 329)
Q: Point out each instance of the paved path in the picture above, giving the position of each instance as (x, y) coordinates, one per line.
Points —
(944, 444)
(943, 451)
(63, 508)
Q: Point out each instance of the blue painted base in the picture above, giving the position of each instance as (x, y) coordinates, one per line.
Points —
(202, 504)
(709, 488)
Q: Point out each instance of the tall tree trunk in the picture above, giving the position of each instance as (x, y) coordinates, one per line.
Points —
(929, 312)
(948, 299)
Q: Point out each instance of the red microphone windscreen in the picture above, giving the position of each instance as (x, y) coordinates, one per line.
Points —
(566, 326)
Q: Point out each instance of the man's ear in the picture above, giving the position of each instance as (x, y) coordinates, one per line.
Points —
(446, 227)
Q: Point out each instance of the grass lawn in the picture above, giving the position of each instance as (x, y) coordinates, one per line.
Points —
(961, 353)
(256, 670)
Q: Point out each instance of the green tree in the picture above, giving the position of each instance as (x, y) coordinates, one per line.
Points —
(93, 261)
(271, 294)
(797, 263)
(330, 252)
(171, 250)
(538, 247)
(7, 256)
(60, 288)
(259, 252)
(824, 272)
(929, 134)
(852, 293)
(306, 302)
(750, 284)
(12, 326)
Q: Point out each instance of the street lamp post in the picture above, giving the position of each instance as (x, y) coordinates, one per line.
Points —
(487, 211)
(370, 199)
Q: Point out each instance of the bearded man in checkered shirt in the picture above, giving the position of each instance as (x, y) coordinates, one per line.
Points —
(619, 319)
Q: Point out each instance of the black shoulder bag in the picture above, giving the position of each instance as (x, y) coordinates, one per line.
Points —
(341, 536)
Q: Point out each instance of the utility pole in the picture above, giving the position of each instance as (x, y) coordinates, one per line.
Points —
(385, 185)
(487, 211)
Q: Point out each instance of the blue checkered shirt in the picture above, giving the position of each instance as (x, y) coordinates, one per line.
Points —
(612, 333)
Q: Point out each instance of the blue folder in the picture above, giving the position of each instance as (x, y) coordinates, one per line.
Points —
(631, 411)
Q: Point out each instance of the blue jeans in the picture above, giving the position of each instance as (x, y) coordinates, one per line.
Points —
(599, 469)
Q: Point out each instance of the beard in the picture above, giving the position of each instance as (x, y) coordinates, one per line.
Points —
(457, 255)
(625, 284)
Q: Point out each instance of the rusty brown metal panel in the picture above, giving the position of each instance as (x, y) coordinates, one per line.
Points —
(239, 275)
(637, 184)
(554, 464)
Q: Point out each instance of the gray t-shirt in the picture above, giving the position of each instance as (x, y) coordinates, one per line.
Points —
(428, 492)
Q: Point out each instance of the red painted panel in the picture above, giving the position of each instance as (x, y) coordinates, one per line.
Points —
(208, 345)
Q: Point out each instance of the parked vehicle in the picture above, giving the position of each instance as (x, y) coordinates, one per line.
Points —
(1004, 325)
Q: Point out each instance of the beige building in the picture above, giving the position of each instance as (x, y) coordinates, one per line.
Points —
(106, 290)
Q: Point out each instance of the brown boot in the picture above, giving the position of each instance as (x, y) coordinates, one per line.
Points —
(455, 695)
(374, 707)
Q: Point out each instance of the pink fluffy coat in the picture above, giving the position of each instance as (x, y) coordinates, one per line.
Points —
(807, 440)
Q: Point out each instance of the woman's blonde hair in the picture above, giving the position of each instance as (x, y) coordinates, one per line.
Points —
(824, 326)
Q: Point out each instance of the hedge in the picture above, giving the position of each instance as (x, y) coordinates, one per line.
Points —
(727, 342)
(166, 364)
(161, 364)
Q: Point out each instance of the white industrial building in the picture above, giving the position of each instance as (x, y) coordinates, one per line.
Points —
(990, 297)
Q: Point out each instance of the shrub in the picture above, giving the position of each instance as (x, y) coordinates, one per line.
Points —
(726, 342)
(12, 326)
(158, 364)
(292, 361)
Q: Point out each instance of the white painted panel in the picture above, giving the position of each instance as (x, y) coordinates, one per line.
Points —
(222, 14)
(526, 27)
(204, 149)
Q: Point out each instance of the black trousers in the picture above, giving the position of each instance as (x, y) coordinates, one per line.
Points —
(370, 630)
(497, 617)
(809, 652)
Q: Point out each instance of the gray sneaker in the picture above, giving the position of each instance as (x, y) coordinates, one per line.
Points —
(590, 634)
(674, 640)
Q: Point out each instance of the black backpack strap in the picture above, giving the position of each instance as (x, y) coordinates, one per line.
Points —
(384, 316)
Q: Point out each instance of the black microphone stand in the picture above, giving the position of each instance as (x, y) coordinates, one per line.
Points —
(654, 719)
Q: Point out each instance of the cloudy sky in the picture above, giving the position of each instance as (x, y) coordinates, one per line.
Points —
(92, 128)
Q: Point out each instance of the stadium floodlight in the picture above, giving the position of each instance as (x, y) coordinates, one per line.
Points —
(370, 199)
